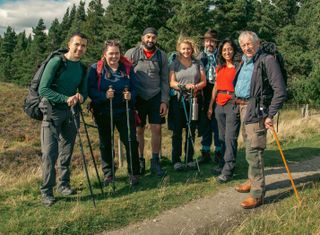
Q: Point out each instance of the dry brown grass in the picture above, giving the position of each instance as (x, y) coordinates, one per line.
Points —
(20, 144)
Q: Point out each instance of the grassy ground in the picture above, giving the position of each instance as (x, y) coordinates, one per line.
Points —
(286, 217)
(20, 178)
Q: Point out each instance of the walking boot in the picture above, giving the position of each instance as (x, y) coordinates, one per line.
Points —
(156, 168)
(48, 199)
(244, 188)
(252, 202)
(142, 164)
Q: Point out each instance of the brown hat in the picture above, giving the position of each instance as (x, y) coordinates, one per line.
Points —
(211, 34)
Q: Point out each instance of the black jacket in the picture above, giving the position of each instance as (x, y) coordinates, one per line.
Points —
(267, 89)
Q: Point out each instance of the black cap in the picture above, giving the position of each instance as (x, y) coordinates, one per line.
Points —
(150, 30)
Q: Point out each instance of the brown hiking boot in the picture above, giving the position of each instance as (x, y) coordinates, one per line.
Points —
(243, 188)
(251, 202)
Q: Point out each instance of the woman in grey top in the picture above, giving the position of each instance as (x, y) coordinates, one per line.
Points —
(187, 77)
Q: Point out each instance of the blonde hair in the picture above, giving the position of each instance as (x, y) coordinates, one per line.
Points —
(191, 42)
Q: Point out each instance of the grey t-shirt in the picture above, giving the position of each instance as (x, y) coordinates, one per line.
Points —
(150, 81)
(185, 75)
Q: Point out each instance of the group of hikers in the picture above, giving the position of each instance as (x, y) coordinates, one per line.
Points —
(215, 92)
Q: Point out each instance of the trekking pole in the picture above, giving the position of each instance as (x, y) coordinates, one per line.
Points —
(83, 155)
(129, 131)
(91, 151)
(112, 139)
(189, 134)
(286, 165)
(190, 119)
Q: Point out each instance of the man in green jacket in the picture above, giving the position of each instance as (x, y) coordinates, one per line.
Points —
(58, 132)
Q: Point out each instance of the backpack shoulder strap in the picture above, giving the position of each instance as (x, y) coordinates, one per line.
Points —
(127, 65)
(99, 69)
(159, 59)
(135, 56)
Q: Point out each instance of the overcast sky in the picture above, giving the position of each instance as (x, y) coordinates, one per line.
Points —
(25, 14)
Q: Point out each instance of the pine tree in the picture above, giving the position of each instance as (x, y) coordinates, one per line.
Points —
(54, 36)
(38, 45)
(8, 43)
(126, 19)
(6, 53)
(65, 26)
(20, 60)
(230, 17)
(189, 18)
(300, 43)
(80, 18)
(94, 28)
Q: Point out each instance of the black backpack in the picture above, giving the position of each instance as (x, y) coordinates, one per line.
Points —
(32, 101)
(271, 49)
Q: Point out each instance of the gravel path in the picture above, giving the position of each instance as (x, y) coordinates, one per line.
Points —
(222, 211)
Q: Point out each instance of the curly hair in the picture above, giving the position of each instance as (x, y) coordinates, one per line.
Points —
(191, 42)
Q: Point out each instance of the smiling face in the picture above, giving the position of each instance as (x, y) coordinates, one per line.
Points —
(149, 41)
(77, 47)
(227, 52)
(210, 44)
(248, 45)
(112, 55)
(185, 50)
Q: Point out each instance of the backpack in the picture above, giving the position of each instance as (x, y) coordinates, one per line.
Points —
(32, 101)
(100, 64)
(135, 57)
(271, 49)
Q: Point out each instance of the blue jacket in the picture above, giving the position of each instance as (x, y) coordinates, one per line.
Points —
(119, 81)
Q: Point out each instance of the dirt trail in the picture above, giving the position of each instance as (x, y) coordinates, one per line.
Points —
(222, 211)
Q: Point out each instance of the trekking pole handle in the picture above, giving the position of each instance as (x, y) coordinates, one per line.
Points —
(110, 93)
(126, 93)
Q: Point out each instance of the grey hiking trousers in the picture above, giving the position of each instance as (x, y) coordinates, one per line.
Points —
(57, 141)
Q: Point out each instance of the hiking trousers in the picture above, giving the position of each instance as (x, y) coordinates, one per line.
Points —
(228, 119)
(104, 129)
(255, 138)
(57, 141)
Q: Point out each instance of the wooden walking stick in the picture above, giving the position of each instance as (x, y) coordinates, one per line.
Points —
(286, 165)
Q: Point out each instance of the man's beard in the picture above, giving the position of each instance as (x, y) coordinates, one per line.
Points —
(149, 46)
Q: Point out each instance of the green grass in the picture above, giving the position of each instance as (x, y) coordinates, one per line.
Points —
(285, 217)
(21, 211)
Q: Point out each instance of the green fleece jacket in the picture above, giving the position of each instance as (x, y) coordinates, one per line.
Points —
(71, 80)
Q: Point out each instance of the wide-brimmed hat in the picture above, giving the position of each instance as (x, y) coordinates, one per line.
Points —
(211, 34)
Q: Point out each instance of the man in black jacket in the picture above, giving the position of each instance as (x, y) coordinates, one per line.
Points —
(260, 92)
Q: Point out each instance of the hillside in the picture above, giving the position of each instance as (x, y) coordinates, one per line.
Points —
(20, 178)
